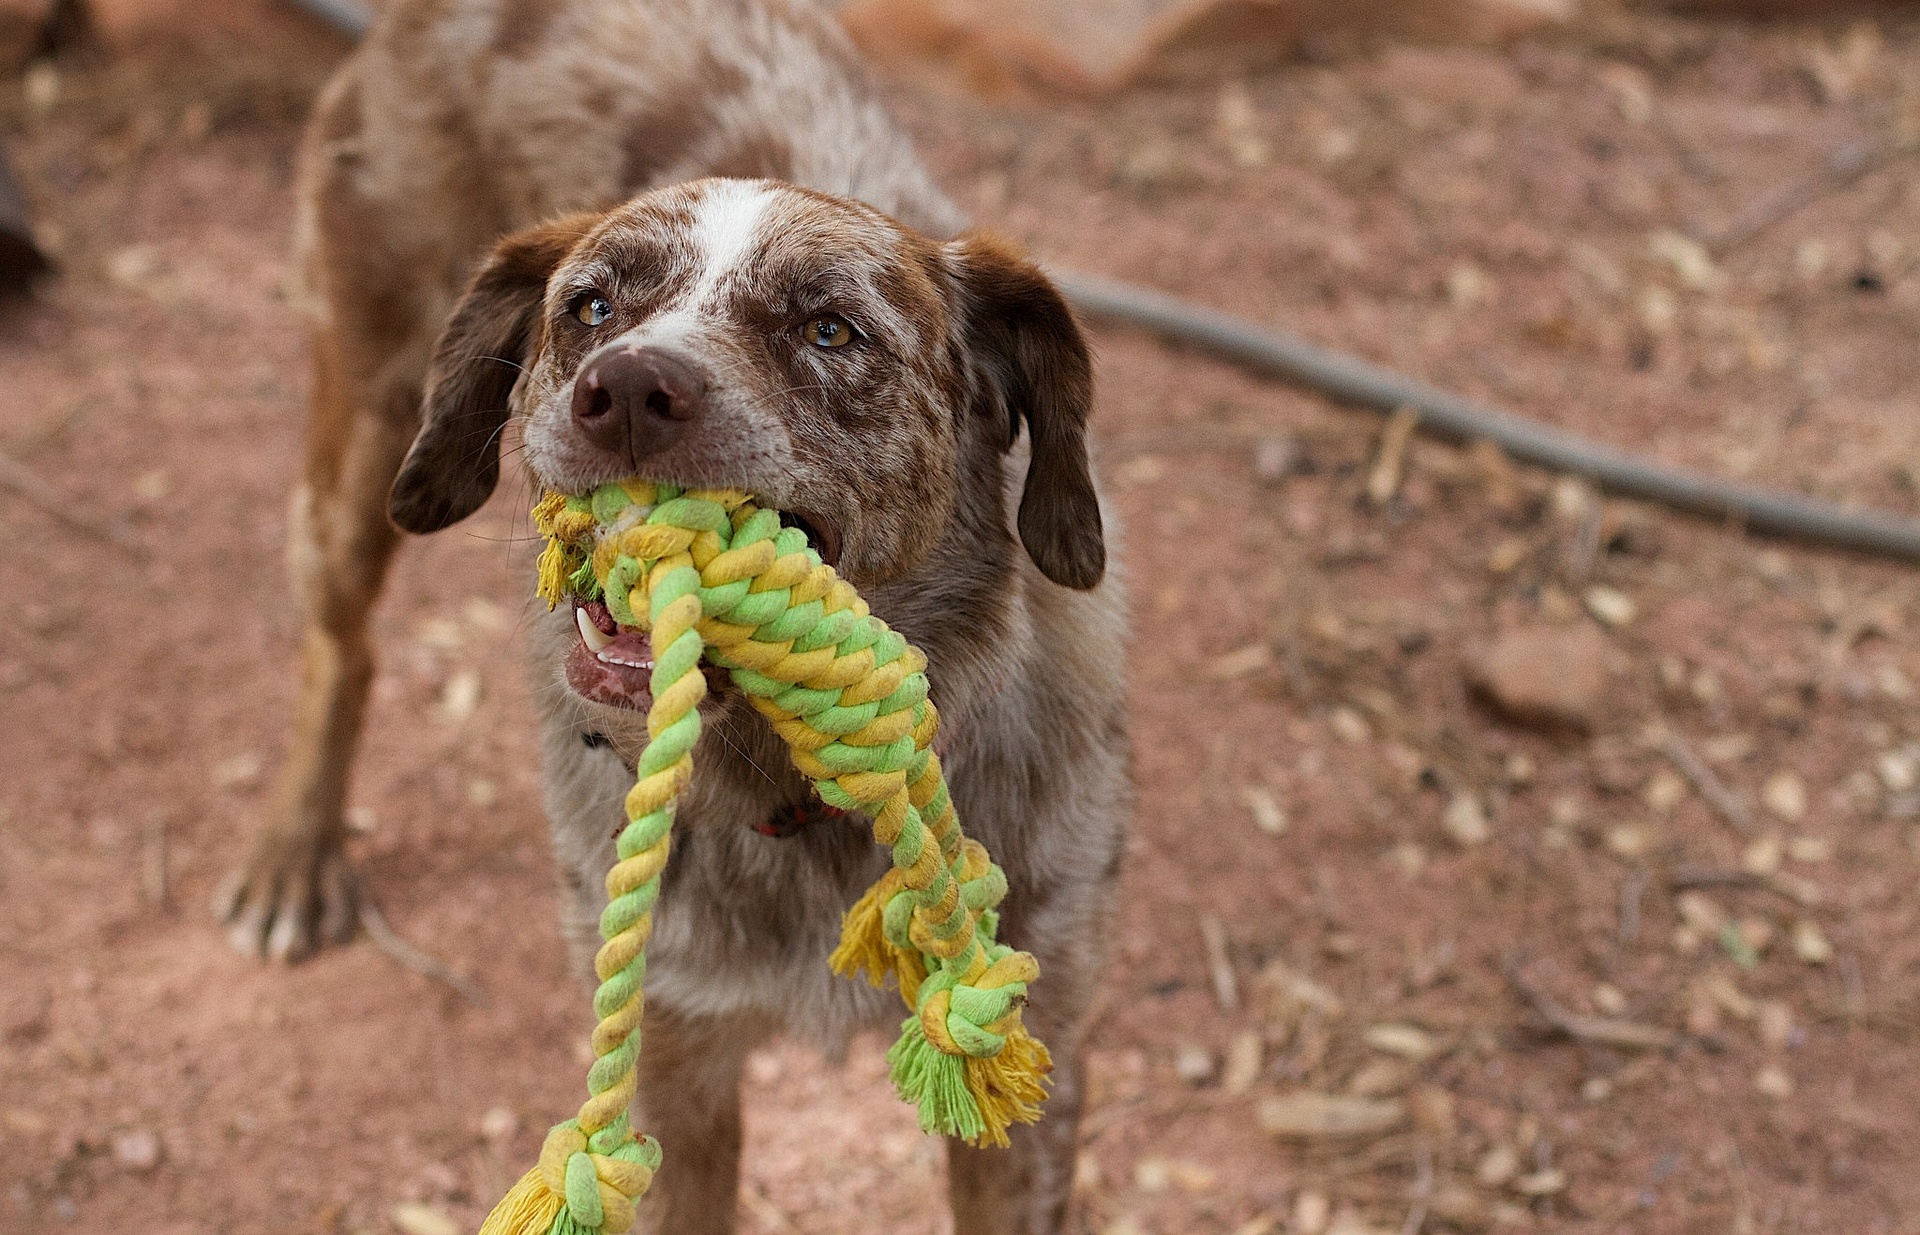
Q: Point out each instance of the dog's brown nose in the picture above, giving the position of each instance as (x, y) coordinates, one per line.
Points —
(636, 401)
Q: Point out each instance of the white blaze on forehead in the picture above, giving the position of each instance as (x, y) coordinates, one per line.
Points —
(725, 223)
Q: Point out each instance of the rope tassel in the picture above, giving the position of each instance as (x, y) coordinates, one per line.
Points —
(713, 577)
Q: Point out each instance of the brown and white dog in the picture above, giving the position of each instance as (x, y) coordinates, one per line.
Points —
(784, 307)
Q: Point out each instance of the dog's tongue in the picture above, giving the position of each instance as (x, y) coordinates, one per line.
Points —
(618, 675)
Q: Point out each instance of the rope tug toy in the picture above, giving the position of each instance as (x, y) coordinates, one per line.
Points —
(710, 574)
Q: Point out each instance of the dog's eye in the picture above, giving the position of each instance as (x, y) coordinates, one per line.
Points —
(593, 310)
(829, 330)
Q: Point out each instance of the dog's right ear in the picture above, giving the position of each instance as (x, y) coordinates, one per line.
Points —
(455, 460)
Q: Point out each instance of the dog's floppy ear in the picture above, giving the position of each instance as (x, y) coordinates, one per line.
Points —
(1022, 338)
(455, 460)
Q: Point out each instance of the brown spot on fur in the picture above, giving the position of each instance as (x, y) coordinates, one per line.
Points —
(523, 25)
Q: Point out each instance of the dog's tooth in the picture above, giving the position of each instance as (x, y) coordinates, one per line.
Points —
(589, 633)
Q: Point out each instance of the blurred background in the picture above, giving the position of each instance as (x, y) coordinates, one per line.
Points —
(1509, 857)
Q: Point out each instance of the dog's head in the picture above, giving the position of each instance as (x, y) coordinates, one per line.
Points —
(749, 334)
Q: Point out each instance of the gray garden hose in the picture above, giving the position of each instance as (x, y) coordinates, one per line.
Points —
(1356, 381)
(1352, 380)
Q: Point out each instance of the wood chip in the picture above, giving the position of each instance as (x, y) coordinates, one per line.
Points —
(1466, 822)
(1308, 1116)
(1389, 463)
(1226, 987)
(1610, 606)
(1541, 1183)
(460, 698)
(1246, 1056)
(1810, 943)
(1773, 1082)
(1501, 1163)
(1785, 794)
(1268, 815)
(417, 1219)
(1240, 663)
(1407, 1041)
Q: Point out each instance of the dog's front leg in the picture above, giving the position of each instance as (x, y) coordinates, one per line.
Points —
(690, 1100)
(1026, 1189)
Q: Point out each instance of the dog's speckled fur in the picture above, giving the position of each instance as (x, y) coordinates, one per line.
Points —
(459, 121)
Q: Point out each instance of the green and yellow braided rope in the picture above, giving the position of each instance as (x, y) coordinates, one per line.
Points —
(711, 575)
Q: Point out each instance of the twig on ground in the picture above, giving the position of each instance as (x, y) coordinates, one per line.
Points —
(410, 957)
(1390, 464)
(1728, 804)
(1799, 891)
(1592, 1030)
(1845, 167)
(23, 482)
(153, 865)
(1742, 1195)
(1226, 987)
(1632, 888)
(1422, 1190)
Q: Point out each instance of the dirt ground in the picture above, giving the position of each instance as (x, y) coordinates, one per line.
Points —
(1349, 877)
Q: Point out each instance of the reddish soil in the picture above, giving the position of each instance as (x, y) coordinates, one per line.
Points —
(1508, 225)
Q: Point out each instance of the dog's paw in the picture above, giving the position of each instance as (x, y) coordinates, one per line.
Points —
(288, 900)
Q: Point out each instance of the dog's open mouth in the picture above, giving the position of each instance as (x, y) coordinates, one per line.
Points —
(613, 664)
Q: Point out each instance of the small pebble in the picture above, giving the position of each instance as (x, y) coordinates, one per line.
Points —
(237, 771)
(1785, 794)
(1500, 1164)
(137, 1150)
(499, 1123)
(1466, 821)
(1193, 1063)
(1610, 606)
(1349, 726)
(1630, 840)
(1541, 1183)
(1664, 790)
(416, 1219)
(1246, 1055)
(1810, 943)
(1810, 849)
(1774, 1082)
(1699, 911)
(460, 698)
(1268, 815)
(1762, 856)
(1275, 458)
(1775, 1024)
(1899, 769)
(1406, 1041)
(1608, 1001)
(1311, 1210)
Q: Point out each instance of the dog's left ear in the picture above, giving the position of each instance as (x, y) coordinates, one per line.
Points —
(455, 461)
(1023, 339)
